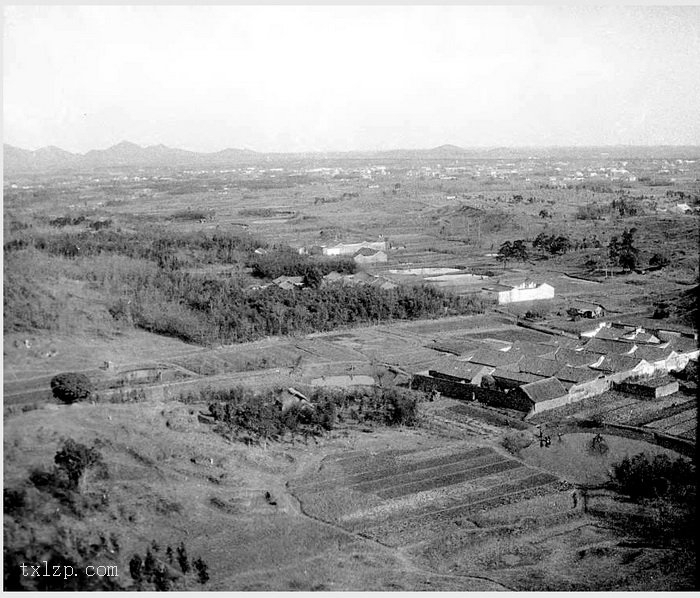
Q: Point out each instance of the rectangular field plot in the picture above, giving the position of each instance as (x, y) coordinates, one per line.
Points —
(667, 423)
(403, 497)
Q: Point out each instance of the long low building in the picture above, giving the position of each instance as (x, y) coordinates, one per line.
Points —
(353, 248)
(527, 291)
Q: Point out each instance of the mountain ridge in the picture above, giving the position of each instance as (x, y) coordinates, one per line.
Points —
(17, 160)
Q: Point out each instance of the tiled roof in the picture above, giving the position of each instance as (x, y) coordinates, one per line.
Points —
(521, 377)
(608, 347)
(458, 369)
(539, 366)
(610, 334)
(683, 344)
(539, 349)
(576, 358)
(619, 363)
(367, 251)
(641, 337)
(455, 346)
(577, 375)
(653, 353)
(496, 358)
(544, 390)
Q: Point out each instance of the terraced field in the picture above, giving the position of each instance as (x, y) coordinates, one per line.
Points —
(402, 498)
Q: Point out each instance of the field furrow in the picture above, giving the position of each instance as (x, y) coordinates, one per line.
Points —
(366, 474)
(436, 472)
(448, 480)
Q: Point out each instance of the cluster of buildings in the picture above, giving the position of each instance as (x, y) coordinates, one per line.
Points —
(359, 278)
(364, 252)
(535, 377)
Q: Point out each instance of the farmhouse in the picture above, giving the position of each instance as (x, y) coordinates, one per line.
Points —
(542, 395)
(650, 389)
(369, 256)
(639, 336)
(495, 359)
(577, 359)
(460, 371)
(608, 347)
(527, 291)
(455, 346)
(538, 366)
(582, 383)
(583, 309)
(621, 367)
(353, 248)
(506, 379)
(538, 349)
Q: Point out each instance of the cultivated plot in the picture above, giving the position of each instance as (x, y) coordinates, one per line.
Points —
(405, 498)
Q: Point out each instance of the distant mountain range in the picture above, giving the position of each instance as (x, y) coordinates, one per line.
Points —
(53, 159)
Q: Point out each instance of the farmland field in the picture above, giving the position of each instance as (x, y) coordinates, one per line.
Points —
(401, 499)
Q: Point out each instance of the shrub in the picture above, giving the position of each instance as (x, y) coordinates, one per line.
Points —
(514, 442)
(71, 387)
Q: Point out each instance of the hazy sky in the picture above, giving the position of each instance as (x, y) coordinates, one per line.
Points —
(303, 78)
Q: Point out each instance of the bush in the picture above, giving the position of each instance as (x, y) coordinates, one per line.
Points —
(71, 387)
(514, 442)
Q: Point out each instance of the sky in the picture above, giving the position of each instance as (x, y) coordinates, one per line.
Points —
(324, 78)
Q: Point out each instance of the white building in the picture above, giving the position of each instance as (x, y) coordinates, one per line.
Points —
(353, 248)
(527, 291)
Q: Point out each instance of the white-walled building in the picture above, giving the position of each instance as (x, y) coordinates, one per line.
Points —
(353, 248)
(527, 291)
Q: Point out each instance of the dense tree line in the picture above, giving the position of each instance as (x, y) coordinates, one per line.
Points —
(205, 310)
(143, 273)
(286, 262)
(168, 249)
(261, 416)
(556, 245)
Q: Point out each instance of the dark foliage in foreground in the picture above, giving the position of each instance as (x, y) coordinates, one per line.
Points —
(641, 477)
(156, 571)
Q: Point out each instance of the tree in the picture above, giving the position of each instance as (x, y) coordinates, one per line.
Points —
(182, 559)
(545, 214)
(659, 260)
(202, 570)
(505, 253)
(559, 245)
(622, 252)
(71, 387)
(136, 568)
(74, 459)
(519, 250)
(312, 277)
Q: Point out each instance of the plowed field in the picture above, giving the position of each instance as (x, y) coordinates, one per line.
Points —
(402, 498)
